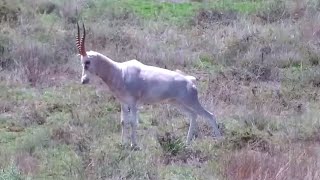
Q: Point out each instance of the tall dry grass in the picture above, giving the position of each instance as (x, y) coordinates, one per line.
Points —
(259, 73)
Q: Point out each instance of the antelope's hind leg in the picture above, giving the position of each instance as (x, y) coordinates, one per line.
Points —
(193, 127)
(210, 117)
(192, 116)
(191, 101)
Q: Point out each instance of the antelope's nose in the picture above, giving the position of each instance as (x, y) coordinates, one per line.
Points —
(84, 80)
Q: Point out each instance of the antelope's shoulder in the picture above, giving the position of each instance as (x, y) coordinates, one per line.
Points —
(131, 69)
(133, 63)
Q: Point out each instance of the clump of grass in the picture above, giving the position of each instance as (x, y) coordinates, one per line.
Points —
(32, 116)
(6, 61)
(246, 134)
(178, 173)
(27, 164)
(33, 61)
(61, 135)
(275, 11)
(312, 77)
(32, 140)
(59, 162)
(171, 144)
(112, 161)
(46, 7)
(11, 172)
(313, 57)
(236, 48)
(211, 17)
(6, 106)
(8, 12)
(287, 161)
(80, 128)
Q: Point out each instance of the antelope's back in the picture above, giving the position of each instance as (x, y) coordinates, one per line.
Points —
(151, 84)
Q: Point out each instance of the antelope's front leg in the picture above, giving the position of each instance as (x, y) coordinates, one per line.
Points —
(125, 124)
(134, 125)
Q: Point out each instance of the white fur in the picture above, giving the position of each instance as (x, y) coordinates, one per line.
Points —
(135, 84)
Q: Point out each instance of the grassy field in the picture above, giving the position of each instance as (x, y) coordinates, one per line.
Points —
(257, 64)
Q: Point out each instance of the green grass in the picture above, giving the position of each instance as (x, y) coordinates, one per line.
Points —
(170, 12)
(242, 6)
(173, 172)
(179, 11)
(25, 141)
(166, 11)
(81, 131)
(60, 162)
(11, 173)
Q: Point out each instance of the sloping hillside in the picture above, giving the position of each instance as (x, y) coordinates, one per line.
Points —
(257, 65)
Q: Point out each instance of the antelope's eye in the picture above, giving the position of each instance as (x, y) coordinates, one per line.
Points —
(87, 63)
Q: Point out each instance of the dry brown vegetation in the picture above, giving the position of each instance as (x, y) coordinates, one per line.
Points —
(258, 70)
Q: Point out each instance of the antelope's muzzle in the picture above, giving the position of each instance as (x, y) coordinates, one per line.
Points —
(84, 80)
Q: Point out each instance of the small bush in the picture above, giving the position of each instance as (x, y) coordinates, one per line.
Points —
(171, 144)
(33, 59)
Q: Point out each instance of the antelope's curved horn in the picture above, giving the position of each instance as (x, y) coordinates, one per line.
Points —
(78, 39)
(80, 42)
(83, 49)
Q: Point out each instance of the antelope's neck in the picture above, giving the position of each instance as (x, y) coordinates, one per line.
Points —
(109, 71)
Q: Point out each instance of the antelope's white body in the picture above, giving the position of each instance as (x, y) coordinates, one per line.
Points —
(134, 83)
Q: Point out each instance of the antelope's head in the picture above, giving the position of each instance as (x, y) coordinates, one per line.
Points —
(87, 58)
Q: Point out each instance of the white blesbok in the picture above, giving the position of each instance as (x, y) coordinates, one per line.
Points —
(134, 84)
